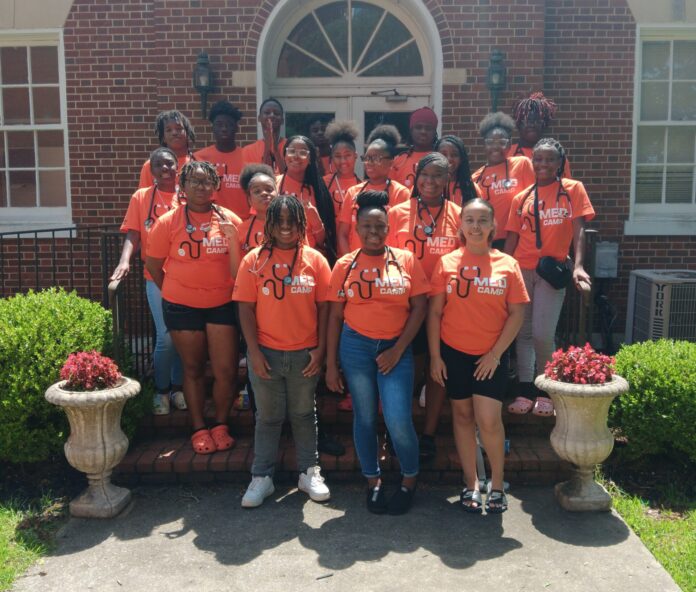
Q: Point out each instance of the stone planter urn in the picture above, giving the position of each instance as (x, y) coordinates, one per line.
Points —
(96, 444)
(581, 437)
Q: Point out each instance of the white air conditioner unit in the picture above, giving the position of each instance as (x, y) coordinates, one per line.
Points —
(661, 304)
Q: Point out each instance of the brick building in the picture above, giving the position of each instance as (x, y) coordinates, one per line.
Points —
(82, 81)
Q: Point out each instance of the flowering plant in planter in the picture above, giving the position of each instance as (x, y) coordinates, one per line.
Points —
(580, 365)
(89, 371)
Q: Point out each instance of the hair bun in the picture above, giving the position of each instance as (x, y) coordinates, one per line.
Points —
(372, 199)
(342, 131)
(387, 133)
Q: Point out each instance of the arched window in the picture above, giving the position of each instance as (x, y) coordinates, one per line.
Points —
(349, 39)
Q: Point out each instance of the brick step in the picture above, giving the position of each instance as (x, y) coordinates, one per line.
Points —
(177, 423)
(531, 461)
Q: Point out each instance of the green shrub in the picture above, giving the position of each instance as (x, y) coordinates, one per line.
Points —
(37, 333)
(658, 414)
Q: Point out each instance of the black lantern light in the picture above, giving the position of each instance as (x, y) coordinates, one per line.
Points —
(497, 78)
(203, 80)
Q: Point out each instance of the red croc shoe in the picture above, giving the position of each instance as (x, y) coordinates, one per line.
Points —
(221, 436)
(202, 442)
(345, 404)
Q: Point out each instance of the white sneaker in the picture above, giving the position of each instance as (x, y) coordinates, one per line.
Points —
(160, 404)
(421, 399)
(312, 483)
(178, 400)
(259, 489)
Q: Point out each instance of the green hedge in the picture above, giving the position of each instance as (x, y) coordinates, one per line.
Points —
(658, 414)
(37, 333)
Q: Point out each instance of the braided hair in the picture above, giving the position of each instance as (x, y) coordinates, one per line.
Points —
(543, 107)
(295, 212)
(209, 169)
(161, 121)
(463, 172)
(252, 170)
(370, 200)
(556, 145)
(314, 181)
(438, 160)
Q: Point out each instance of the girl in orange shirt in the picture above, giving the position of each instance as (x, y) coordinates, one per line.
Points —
(281, 289)
(194, 263)
(502, 177)
(174, 131)
(258, 182)
(269, 150)
(423, 130)
(460, 188)
(378, 301)
(302, 180)
(381, 147)
(341, 135)
(544, 221)
(428, 226)
(532, 116)
(476, 308)
(146, 206)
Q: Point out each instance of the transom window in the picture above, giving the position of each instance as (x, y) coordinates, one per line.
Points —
(32, 127)
(349, 37)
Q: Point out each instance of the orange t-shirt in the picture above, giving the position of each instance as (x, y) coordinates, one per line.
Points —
(254, 152)
(144, 209)
(286, 314)
(338, 187)
(251, 233)
(286, 184)
(517, 150)
(478, 289)
(455, 192)
(376, 293)
(557, 209)
(229, 165)
(407, 223)
(404, 168)
(146, 178)
(500, 183)
(349, 209)
(197, 266)
(326, 164)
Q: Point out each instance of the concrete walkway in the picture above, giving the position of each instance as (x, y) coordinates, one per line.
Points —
(199, 538)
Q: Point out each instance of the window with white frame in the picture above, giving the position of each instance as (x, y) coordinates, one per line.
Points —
(34, 176)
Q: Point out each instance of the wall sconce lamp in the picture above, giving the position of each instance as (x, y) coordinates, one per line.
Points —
(497, 78)
(203, 80)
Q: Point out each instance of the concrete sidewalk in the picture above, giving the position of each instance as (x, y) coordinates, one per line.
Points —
(199, 538)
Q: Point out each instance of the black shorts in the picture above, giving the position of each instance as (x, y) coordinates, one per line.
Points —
(179, 317)
(419, 345)
(461, 384)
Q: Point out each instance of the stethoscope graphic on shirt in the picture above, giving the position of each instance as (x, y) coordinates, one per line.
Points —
(193, 245)
(529, 210)
(423, 229)
(281, 272)
(258, 236)
(485, 184)
(367, 278)
(341, 192)
(465, 277)
(152, 214)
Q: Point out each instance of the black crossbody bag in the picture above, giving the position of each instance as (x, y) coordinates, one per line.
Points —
(556, 273)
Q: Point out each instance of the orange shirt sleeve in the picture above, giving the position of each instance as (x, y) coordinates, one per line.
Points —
(582, 207)
(158, 237)
(323, 277)
(146, 178)
(419, 282)
(334, 291)
(133, 219)
(438, 279)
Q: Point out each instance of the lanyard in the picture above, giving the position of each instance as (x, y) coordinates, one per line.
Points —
(152, 210)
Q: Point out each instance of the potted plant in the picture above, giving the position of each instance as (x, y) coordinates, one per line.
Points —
(582, 384)
(93, 392)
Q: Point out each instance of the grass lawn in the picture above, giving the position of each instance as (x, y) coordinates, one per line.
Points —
(666, 526)
(26, 534)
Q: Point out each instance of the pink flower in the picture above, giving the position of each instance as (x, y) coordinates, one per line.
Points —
(89, 371)
(580, 365)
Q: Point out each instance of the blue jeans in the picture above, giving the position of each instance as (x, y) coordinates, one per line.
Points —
(367, 385)
(285, 393)
(168, 369)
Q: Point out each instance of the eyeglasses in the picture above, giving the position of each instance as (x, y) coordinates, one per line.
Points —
(374, 159)
(301, 152)
(497, 141)
(208, 184)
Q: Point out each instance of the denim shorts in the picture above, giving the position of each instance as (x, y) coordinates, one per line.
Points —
(179, 317)
(461, 384)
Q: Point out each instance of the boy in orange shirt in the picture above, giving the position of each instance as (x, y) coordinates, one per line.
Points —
(227, 157)
(269, 150)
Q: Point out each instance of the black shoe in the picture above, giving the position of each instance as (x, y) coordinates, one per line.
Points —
(401, 501)
(329, 445)
(376, 499)
(427, 447)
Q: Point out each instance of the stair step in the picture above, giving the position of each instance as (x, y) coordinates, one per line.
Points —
(169, 460)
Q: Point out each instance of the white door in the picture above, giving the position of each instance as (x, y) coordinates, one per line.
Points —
(300, 111)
